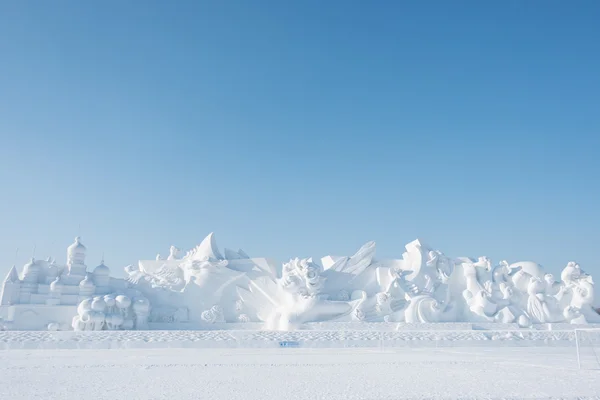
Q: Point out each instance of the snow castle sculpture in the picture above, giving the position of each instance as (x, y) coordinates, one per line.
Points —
(53, 296)
(208, 289)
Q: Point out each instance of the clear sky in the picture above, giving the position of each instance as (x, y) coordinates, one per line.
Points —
(300, 128)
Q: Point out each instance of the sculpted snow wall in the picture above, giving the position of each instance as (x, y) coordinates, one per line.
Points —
(204, 288)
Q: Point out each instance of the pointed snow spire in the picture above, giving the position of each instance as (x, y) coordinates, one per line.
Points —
(208, 248)
(243, 254)
(12, 276)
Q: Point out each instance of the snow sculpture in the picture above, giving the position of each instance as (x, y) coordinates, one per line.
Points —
(204, 286)
(290, 300)
(214, 315)
(540, 306)
(111, 312)
(301, 295)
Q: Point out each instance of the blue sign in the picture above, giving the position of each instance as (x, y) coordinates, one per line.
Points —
(289, 344)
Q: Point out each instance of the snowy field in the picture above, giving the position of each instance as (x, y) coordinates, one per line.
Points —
(540, 372)
(272, 339)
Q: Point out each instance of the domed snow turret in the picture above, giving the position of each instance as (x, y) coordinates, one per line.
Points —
(76, 258)
(76, 249)
(56, 286)
(31, 271)
(102, 275)
(86, 287)
(102, 270)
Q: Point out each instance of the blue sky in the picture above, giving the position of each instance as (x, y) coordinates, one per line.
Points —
(300, 128)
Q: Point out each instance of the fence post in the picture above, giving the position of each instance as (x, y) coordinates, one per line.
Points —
(577, 347)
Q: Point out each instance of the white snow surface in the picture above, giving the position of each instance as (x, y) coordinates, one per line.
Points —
(274, 339)
(297, 374)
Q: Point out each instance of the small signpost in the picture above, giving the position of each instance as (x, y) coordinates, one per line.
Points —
(289, 344)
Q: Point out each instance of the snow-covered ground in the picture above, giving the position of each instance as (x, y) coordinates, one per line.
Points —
(297, 373)
(273, 339)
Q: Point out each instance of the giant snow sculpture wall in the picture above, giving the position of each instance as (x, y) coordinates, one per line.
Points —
(205, 287)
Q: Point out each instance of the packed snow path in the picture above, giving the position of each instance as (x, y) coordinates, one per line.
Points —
(249, 338)
(297, 374)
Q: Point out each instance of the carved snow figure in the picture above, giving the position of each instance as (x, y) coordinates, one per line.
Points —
(572, 314)
(423, 277)
(508, 311)
(474, 276)
(552, 287)
(583, 298)
(214, 315)
(583, 293)
(480, 304)
(168, 277)
(570, 273)
(134, 273)
(537, 308)
(437, 275)
(298, 297)
(114, 319)
(576, 295)
(501, 272)
(173, 253)
(243, 318)
(383, 306)
(123, 303)
(141, 310)
(198, 280)
(392, 301)
(490, 300)
(53, 326)
(442, 264)
(111, 312)
(361, 309)
(529, 267)
(89, 316)
(422, 308)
